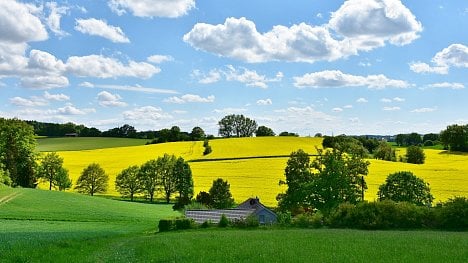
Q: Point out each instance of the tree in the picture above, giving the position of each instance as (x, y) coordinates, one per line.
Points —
(264, 131)
(415, 154)
(455, 138)
(334, 177)
(385, 152)
(4, 177)
(62, 180)
(17, 151)
(174, 134)
(203, 198)
(291, 134)
(414, 139)
(51, 170)
(346, 144)
(431, 137)
(405, 187)
(92, 180)
(184, 182)
(197, 134)
(298, 175)
(220, 194)
(401, 139)
(149, 178)
(237, 126)
(165, 168)
(127, 182)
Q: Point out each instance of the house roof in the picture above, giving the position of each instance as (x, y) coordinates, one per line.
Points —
(201, 216)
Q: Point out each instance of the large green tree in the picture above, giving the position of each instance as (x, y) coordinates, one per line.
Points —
(237, 126)
(165, 167)
(92, 180)
(17, 151)
(415, 154)
(455, 137)
(405, 187)
(385, 152)
(184, 182)
(197, 134)
(220, 194)
(150, 178)
(127, 182)
(51, 170)
(264, 131)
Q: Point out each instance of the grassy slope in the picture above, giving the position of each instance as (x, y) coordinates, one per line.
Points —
(46, 144)
(446, 173)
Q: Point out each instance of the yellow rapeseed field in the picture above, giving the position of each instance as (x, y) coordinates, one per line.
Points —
(446, 173)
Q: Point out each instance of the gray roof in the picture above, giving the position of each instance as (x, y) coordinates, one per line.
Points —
(200, 216)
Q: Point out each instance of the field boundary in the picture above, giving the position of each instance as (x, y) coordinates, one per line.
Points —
(9, 197)
(243, 158)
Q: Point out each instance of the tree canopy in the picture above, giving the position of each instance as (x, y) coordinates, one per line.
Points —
(92, 180)
(127, 182)
(51, 170)
(455, 138)
(220, 194)
(405, 187)
(264, 131)
(415, 154)
(237, 126)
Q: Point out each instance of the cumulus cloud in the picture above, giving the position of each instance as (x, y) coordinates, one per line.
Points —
(211, 77)
(56, 97)
(53, 20)
(32, 102)
(398, 99)
(455, 55)
(150, 8)
(146, 113)
(391, 108)
(20, 23)
(230, 110)
(336, 79)
(362, 100)
(424, 110)
(447, 85)
(135, 88)
(190, 98)
(96, 27)
(158, 59)
(72, 110)
(264, 102)
(44, 82)
(104, 67)
(358, 25)
(107, 99)
(385, 100)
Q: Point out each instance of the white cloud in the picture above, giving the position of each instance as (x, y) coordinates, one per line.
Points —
(347, 106)
(385, 100)
(146, 113)
(358, 25)
(212, 77)
(136, 88)
(32, 102)
(20, 23)
(398, 99)
(455, 55)
(424, 110)
(264, 102)
(45, 62)
(44, 82)
(108, 99)
(96, 27)
(448, 85)
(158, 59)
(104, 67)
(72, 110)
(151, 8)
(308, 112)
(190, 98)
(53, 20)
(56, 97)
(337, 109)
(362, 100)
(336, 79)
(391, 108)
(420, 67)
(230, 110)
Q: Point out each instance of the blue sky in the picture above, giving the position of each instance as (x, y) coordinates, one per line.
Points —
(354, 67)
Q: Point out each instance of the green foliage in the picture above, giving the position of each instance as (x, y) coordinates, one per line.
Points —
(165, 225)
(150, 178)
(220, 194)
(455, 137)
(415, 154)
(284, 218)
(197, 134)
(264, 131)
(237, 126)
(203, 198)
(207, 147)
(453, 214)
(428, 143)
(51, 170)
(405, 187)
(385, 152)
(306, 220)
(250, 222)
(431, 137)
(4, 177)
(411, 139)
(290, 134)
(223, 221)
(17, 152)
(195, 206)
(205, 224)
(183, 182)
(92, 180)
(346, 144)
(127, 182)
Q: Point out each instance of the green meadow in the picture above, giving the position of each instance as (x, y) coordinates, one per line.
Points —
(52, 144)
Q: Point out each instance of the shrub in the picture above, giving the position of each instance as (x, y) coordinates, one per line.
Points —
(165, 225)
(309, 220)
(5, 178)
(428, 143)
(183, 223)
(405, 187)
(207, 150)
(284, 218)
(453, 214)
(415, 154)
(205, 224)
(224, 221)
(205, 143)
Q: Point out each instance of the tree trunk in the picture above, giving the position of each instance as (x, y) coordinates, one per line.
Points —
(131, 197)
(50, 185)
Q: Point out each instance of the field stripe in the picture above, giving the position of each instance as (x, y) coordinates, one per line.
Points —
(9, 197)
(243, 158)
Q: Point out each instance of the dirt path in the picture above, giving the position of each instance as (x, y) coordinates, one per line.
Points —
(9, 197)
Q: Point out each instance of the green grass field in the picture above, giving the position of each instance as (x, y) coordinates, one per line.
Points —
(47, 144)
(50, 226)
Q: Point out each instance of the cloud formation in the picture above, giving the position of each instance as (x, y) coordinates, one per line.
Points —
(358, 25)
(97, 27)
(455, 55)
(107, 99)
(337, 79)
(190, 98)
(151, 8)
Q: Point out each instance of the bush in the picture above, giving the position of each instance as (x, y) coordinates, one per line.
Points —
(453, 214)
(224, 221)
(428, 143)
(183, 223)
(307, 220)
(405, 187)
(250, 222)
(165, 225)
(415, 154)
(5, 178)
(205, 143)
(207, 150)
(284, 218)
(205, 224)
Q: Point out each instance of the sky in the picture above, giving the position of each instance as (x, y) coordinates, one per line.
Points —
(305, 66)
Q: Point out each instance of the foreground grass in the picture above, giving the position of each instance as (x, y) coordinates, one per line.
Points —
(47, 144)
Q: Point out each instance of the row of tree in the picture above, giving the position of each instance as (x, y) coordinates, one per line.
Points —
(455, 138)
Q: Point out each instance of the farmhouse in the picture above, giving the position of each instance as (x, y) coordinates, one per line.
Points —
(251, 206)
